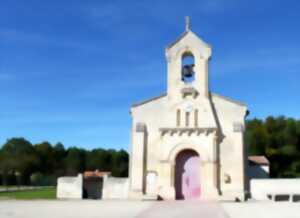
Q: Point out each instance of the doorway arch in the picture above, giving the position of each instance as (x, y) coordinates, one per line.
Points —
(187, 175)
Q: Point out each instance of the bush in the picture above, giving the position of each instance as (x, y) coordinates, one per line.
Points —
(38, 179)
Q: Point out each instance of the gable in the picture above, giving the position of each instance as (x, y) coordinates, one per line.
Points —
(228, 100)
(187, 34)
(148, 100)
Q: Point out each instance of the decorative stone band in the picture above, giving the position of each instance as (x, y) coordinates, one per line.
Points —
(202, 161)
(189, 90)
(187, 130)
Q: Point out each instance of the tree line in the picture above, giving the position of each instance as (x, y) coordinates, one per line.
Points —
(23, 163)
(278, 138)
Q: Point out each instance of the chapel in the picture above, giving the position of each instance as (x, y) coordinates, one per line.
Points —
(188, 143)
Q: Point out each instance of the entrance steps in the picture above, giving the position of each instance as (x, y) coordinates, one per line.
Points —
(149, 197)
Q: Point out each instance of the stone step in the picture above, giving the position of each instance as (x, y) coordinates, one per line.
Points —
(150, 197)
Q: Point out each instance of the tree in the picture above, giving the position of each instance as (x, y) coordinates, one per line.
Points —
(42, 163)
(74, 161)
(59, 155)
(98, 159)
(120, 164)
(46, 157)
(278, 139)
(18, 158)
(256, 137)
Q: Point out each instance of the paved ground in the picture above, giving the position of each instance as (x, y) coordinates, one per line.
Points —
(183, 209)
(145, 209)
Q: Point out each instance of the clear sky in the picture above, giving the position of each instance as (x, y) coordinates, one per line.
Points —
(69, 70)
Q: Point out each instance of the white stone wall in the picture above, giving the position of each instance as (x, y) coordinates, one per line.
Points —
(162, 113)
(69, 187)
(115, 188)
(231, 148)
(261, 188)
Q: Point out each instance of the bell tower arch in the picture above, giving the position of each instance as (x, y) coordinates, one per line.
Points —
(187, 63)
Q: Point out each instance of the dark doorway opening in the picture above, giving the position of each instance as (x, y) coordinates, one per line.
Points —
(92, 188)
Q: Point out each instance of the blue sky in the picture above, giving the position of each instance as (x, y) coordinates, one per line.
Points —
(69, 70)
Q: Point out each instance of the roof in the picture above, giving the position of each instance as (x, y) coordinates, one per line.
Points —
(178, 39)
(229, 99)
(258, 160)
(95, 174)
(182, 36)
(165, 94)
(149, 100)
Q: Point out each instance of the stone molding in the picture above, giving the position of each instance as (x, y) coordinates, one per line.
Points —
(188, 130)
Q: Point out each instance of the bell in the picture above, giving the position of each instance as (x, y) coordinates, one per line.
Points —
(188, 70)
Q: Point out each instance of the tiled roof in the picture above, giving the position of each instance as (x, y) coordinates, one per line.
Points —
(258, 160)
(96, 173)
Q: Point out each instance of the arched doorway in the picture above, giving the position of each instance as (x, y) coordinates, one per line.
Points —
(187, 175)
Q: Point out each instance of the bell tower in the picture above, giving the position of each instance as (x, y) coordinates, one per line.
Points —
(188, 88)
(187, 61)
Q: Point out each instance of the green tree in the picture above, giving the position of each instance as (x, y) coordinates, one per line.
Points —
(99, 159)
(59, 155)
(74, 161)
(256, 137)
(46, 157)
(18, 158)
(120, 164)
(279, 139)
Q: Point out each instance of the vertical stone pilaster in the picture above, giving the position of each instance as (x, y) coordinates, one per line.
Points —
(209, 189)
(209, 172)
(206, 79)
(167, 180)
(137, 174)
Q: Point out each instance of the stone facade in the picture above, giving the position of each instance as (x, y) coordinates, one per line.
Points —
(188, 117)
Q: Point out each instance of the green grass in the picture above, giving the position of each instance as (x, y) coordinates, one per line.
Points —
(43, 193)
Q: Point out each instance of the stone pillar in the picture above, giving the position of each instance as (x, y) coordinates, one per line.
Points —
(241, 160)
(209, 190)
(215, 159)
(137, 174)
(209, 171)
(201, 70)
(166, 180)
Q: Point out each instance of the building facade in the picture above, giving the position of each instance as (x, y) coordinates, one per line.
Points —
(188, 143)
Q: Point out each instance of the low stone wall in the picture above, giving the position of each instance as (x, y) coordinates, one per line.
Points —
(115, 188)
(261, 188)
(69, 187)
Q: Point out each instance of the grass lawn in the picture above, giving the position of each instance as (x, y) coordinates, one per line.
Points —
(43, 193)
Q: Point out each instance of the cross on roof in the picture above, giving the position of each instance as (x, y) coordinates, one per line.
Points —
(187, 23)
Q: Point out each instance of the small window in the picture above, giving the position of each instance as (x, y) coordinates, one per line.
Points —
(187, 119)
(178, 117)
(282, 197)
(296, 198)
(187, 68)
(196, 118)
